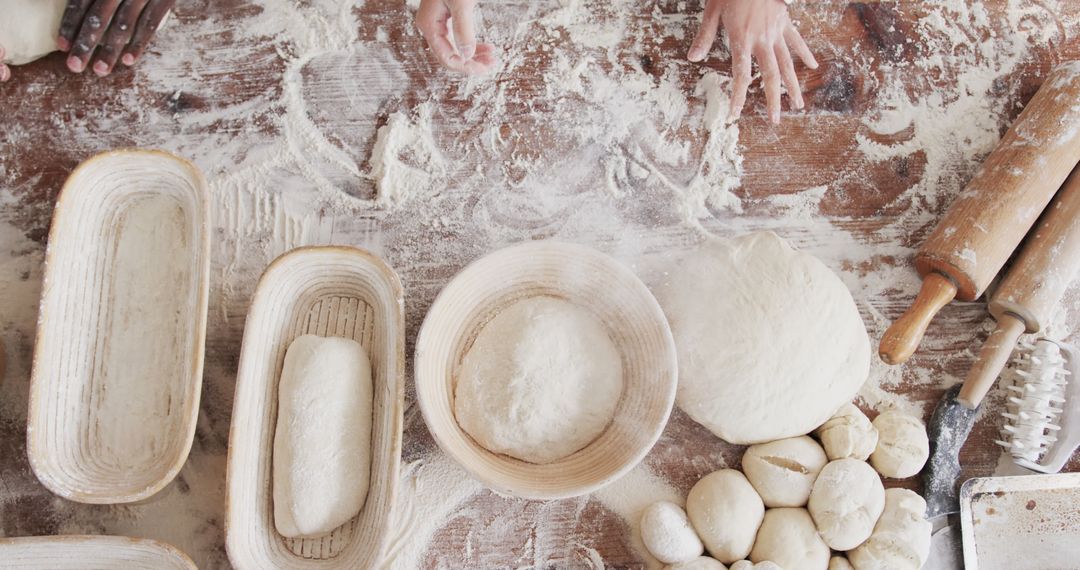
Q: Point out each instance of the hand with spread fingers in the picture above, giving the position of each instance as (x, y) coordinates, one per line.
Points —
(109, 31)
(762, 30)
(460, 52)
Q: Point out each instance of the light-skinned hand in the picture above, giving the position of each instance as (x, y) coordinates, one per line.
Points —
(461, 52)
(760, 29)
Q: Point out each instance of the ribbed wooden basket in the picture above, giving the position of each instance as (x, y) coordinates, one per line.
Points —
(80, 552)
(590, 280)
(326, 291)
(118, 360)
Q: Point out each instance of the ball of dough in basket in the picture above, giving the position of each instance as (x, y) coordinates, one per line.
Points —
(839, 563)
(901, 538)
(783, 471)
(846, 502)
(848, 433)
(903, 445)
(788, 538)
(542, 381)
(726, 511)
(769, 339)
(666, 532)
(699, 563)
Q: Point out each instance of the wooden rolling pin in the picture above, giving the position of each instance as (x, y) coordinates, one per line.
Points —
(992, 214)
(1031, 290)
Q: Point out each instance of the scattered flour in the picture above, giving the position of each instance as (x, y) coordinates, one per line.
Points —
(638, 160)
(406, 163)
(430, 491)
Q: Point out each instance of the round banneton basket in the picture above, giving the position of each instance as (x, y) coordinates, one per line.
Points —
(590, 280)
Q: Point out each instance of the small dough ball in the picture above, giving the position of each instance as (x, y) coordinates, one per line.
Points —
(542, 381)
(902, 446)
(901, 538)
(846, 502)
(783, 471)
(848, 433)
(726, 512)
(699, 563)
(788, 538)
(747, 565)
(839, 563)
(667, 533)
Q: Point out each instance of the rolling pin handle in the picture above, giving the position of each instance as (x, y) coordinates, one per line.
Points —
(904, 336)
(992, 360)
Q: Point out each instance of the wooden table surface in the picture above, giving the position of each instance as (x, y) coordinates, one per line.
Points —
(221, 87)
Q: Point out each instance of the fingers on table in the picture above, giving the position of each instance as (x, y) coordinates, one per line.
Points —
(95, 22)
(5, 73)
(795, 41)
(71, 22)
(149, 21)
(710, 23)
(787, 73)
(741, 71)
(770, 77)
(121, 30)
(109, 31)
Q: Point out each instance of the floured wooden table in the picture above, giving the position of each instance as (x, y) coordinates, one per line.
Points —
(597, 131)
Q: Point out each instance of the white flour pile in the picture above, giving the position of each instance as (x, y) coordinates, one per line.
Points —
(595, 130)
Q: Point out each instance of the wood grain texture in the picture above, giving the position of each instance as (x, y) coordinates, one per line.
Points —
(591, 281)
(119, 354)
(75, 552)
(326, 291)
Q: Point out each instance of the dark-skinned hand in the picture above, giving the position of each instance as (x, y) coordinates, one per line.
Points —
(108, 31)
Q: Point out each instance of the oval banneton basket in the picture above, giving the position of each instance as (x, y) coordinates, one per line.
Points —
(83, 552)
(326, 291)
(584, 277)
(118, 360)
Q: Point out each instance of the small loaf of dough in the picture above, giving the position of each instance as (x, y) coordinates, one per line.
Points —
(903, 445)
(726, 511)
(848, 433)
(667, 533)
(783, 471)
(901, 538)
(322, 444)
(699, 563)
(789, 539)
(846, 502)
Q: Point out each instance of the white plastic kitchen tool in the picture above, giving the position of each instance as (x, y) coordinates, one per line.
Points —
(1042, 417)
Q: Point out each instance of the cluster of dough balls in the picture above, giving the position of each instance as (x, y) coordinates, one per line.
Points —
(797, 501)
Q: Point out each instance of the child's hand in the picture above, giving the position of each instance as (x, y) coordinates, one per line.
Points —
(467, 56)
(119, 31)
(5, 71)
(760, 28)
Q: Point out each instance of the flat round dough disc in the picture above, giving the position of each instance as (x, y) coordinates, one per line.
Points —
(769, 339)
(29, 28)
